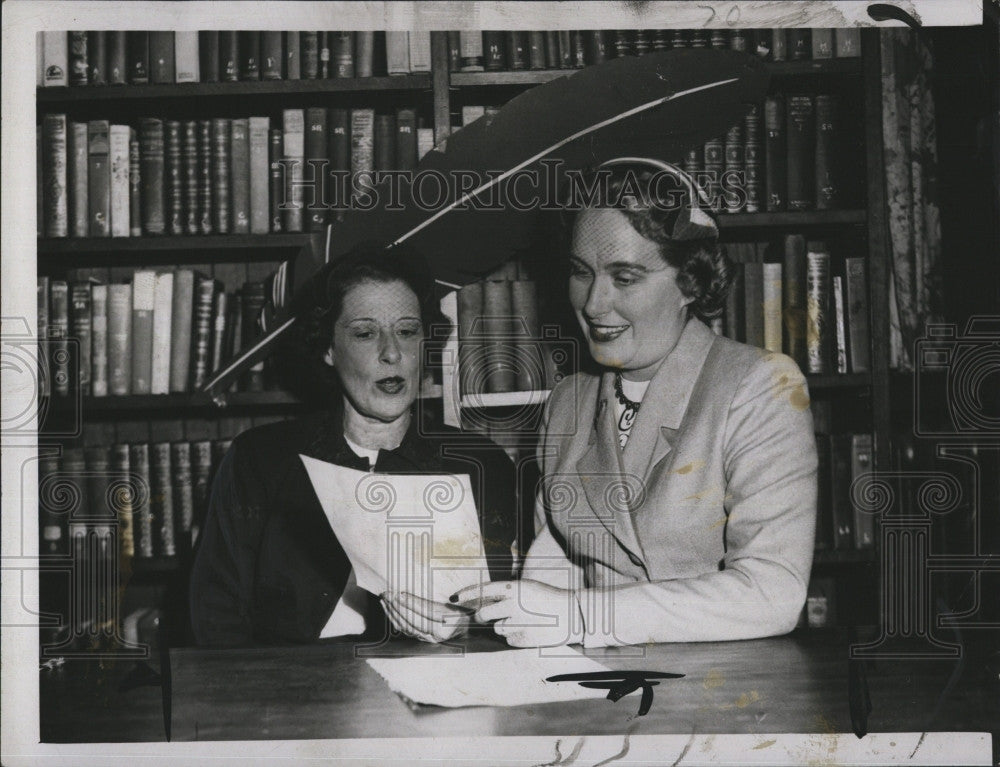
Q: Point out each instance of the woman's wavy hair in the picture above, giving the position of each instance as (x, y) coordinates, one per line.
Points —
(318, 309)
(652, 201)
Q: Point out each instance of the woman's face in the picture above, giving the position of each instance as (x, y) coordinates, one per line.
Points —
(376, 348)
(624, 294)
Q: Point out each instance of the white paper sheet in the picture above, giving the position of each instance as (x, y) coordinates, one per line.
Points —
(502, 678)
(413, 533)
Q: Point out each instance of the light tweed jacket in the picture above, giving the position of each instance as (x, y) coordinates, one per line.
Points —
(702, 528)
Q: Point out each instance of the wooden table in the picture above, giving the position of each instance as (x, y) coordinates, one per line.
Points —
(793, 684)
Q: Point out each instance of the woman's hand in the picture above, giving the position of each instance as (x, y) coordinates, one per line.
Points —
(424, 619)
(526, 613)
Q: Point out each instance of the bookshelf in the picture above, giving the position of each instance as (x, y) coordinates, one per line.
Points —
(435, 96)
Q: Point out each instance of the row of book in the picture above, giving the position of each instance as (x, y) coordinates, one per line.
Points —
(164, 332)
(800, 301)
(218, 175)
(149, 497)
(842, 524)
(494, 51)
(140, 58)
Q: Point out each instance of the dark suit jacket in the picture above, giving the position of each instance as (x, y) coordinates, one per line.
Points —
(268, 567)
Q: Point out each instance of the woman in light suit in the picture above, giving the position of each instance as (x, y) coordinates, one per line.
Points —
(678, 500)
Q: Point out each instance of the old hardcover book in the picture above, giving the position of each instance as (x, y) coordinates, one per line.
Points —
(364, 54)
(385, 142)
(151, 161)
(53, 527)
(293, 56)
(794, 289)
(420, 52)
(44, 369)
(471, 49)
(272, 55)
(753, 173)
(342, 54)
(454, 51)
(80, 329)
(715, 165)
(276, 178)
(856, 308)
(779, 45)
(143, 298)
(119, 339)
(221, 223)
(799, 43)
(516, 44)
(861, 465)
(818, 288)
(138, 57)
(566, 58)
(734, 184)
(201, 332)
(253, 302)
(182, 313)
(840, 327)
(842, 510)
(161, 499)
(97, 58)
(142, 513)
(208, 54)
(173, 191)
(775, 154)
(222, 330)
(553, 58)
(829, 158)
(161, 57)
(229, 56)
(76, 179)
(293, 122)
(122, 506)
(249, 47)
(201, 473)
(847, 42)
(397, 52)
(189, 174)
(822, 43)
(205, 175)
(259, 128)
(772, 307)
(339, 149)
(135, 211)
(55, 59)
(493, 50)
(99, 178)
(362, 148)
(121, 214)
(309, 41)
(578, 43)
(801, 152)
(78, 74)
(54, 198)
(183, 488)
(317, 164)
(239, 176)
(187, 67)
(163, 302)
(406, 138)
(323, 44)
(59, 365)
(536, 50)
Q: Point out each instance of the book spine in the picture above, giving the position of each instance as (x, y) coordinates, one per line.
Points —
(97, 459)
(99, 178)
(822, 43)
(220, 320)
(317, 164)
(186, 57)
(779, 45)
(78, 58)
(339, 148)
(753, 282)
(597, 47)
(828, 155)
(239, 176)
(229, 56)
(493, 51)
(172, 176)
(228, 323)
(122, 506)
(44, 384)
(277, 179)
(406, 139)
(151, 161)
(818, 305)
(201, 472)
(249, 52)
(205, 175)
(55, 61)
(201, 332)
(189, 175)
(81, 330)
(142, 514)
(293, 56)
(516, 44)
(258, 128)
(323, 44)
(775, 154)
(121, 220)
(861, 464)
(97, 58)
(362, 147)
(293, 121)
(342, 54)
(470, 310)
(799, 43)
(839, 325)
(272, 55)
(310, 55)
(772, 307)
(500, 374)
(138, 57)
(59, 334)
(253, 303)
(180, 336)
(161, 499)
(715, 165)
(661, 40)
(397, 53)
(119, 339)
(733, 184)
(794, 288)
(848, 42)
(161, 57)
(840, 475)
(536, 50)
(364, 54)
(220, 175)
(76, 180)
(385, 142)
(134, 184)
(54, 202)
(143, 297)
(579, 47)
(420, 52)
(163, 294)
(180, 463)
(552, 57)
(856, 299)
(471, 50)
(801, 153)
(52, 521)
(208, 54)
(753, 175)
(565, 49)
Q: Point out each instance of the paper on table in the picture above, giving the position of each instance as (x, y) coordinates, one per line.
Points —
(502, 678)
(414, 533)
